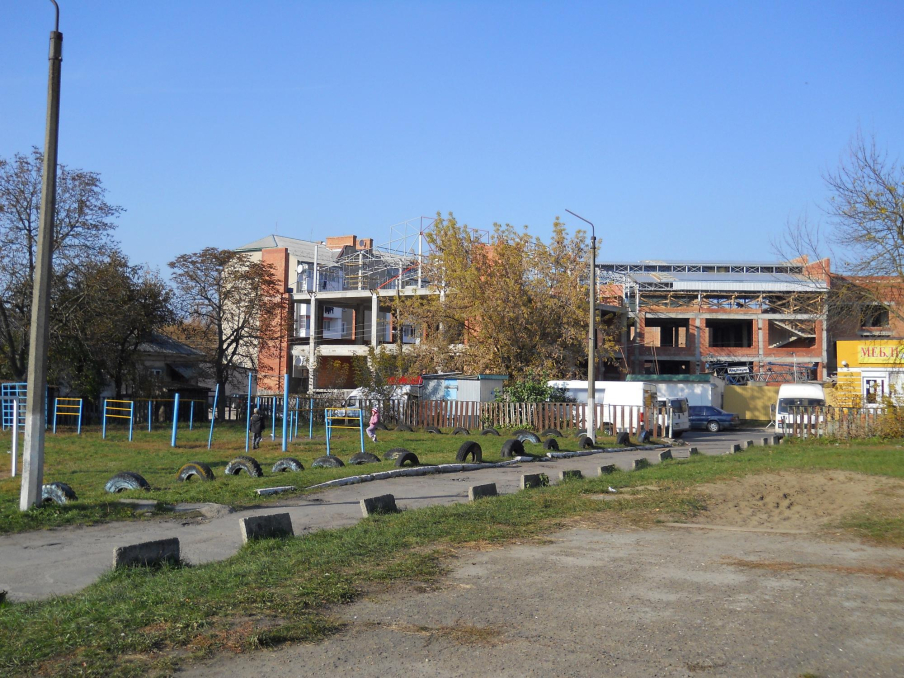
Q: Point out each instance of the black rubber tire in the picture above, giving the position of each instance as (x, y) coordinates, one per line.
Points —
(581, 432)
(394, 453)
(409, 458)
(287, 464)
(527, 437)
(644, 436)
(382, 427)
(460, 431)
(327, 461)
(404, 427)
(127, 480)
(713, 426)
(470, 449)
(432, 429)
(584, 443)
(623, 439)
(247, 464)
(512, 448)
(57, 493)
(489, 432)
(363, 458)
(551, 444)
(552, 432)
(195, 469)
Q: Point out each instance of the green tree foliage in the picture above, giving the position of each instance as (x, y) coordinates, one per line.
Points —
(532, 389)
(508, 304)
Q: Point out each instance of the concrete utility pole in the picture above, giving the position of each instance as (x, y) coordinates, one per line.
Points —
(591, 339)
(39, 335)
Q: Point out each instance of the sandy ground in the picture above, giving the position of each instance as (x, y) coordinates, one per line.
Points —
(761, 591)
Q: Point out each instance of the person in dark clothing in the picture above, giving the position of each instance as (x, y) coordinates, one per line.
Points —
(256, 428)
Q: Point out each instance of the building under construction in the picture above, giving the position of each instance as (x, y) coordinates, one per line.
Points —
(743, 321)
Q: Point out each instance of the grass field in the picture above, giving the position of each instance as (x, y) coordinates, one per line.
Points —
(87, 462)
(147, 622)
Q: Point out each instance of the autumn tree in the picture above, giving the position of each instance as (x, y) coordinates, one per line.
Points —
(232, 307)
(83, 225)
(508, 304)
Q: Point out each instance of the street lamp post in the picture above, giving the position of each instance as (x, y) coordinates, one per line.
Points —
(591, 338)
(39, 334)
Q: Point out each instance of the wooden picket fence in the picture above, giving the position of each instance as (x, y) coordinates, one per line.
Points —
(838, 422)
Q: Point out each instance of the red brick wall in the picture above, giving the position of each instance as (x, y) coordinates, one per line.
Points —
(274, 357)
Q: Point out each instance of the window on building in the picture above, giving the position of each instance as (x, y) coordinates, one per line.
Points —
(874, 315)
(730, 333)
(663, 332)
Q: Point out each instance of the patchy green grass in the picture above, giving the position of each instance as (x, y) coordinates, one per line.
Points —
(87, 462)
(149, 621)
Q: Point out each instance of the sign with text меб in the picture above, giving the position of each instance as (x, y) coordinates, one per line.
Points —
(885, 355)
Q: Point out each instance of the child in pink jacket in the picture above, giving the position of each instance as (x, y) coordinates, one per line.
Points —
(374, 420)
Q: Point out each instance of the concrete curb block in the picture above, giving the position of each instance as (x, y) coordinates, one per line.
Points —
(534, 480)
(419, 471)
(764, 442)
(665, 454)
(480, 491)
(274, 490)
(734, 448)
(266, 527)
(747, 444)
(570, 474)
(147, 553)
(607, 469)
(692, 451)
(385, 503)
(640, 463)
(587, 453)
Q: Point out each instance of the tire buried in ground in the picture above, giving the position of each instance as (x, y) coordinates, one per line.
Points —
(327, 461)
(364, 458)
(404, 427)
(127, 480)
(394, 453)
(57, 493)
(409, 458)
(470, 449)
(195, 469)
(580, 432)
(287, 464)
(552, 432)
(432, 429)
(512, 448)
(551, 444)
(623, 439)
(527, 437)
(585, 443)
(460, 431)
(644, 437)
(489, 432)
(247, 464)
(381, 426)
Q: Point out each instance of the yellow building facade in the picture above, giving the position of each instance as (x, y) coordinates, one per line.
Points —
(869, 372)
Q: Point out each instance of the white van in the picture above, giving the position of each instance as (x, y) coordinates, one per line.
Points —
(621, 403)
(674, 415)
(796, 395)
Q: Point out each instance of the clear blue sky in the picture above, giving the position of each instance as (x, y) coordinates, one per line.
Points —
(682, 129)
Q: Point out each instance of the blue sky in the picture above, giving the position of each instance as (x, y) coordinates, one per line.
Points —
(683, 130)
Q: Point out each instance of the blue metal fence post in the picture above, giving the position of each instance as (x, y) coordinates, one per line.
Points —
(273, 418)
(175, 420)
(311, 422)
(81, 402)
(213, 415)
(149, 415)
(191, 416)
(361, 427)
(327, 421)
(103, 404)
(248, 412)
(285, 413)
(56, 404)
(131, 418)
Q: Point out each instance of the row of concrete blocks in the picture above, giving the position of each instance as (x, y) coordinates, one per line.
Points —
(763, 442)
(280, 524)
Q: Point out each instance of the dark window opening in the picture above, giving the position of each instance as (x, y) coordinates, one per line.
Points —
(874, 315)
(730, 333)
(668, 333)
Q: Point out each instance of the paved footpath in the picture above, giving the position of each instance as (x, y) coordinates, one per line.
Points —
(44, 563)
